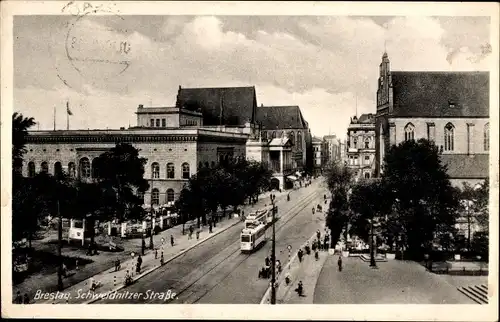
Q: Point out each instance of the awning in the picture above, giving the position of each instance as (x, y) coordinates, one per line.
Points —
(293, 178)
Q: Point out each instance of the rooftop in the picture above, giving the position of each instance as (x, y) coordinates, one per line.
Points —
(467, 166)
(280, 117)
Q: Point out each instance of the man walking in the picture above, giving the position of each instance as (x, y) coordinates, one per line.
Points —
(172, 240)
(339, 262)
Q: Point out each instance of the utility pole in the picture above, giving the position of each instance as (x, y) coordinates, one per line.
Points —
(273, 256)
(59, 251)
(151, 245)
(373, 263)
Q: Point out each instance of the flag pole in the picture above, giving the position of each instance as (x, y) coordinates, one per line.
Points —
(67, 115)
(54, 117)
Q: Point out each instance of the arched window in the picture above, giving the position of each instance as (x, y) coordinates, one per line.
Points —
(31, 169)
(291, 136)
(367, 175)
(155, 170)
(367, 143)
(487, 137)
(409, 132)
(299, 140)
(45, 167)
(170, 195)
(84, 168)
(170, 171)
(71, 170)
(96, 168)
(58, 169)
(155, 196)
(449, 137)
(185, 170)
(273, 135)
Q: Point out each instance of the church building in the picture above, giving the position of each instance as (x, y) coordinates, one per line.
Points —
(449, 108)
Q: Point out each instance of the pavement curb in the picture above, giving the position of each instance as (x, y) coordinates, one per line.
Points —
(281, 278)
(137, 277)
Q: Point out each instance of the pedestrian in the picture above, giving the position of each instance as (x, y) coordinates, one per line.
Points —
(64, 270)
(156, 253)
(190, 232)
(210, 227)
(161, 259)
(197, 234)
(139, 263)
(267, 261)
(324, 196)
(26, 299)
(339, 262)
(318, 234)
(89, 250)
(172, 240)
(300, 254)
(76, 264)
(117, 265)
(313, 210)
(19, 298)
(143, 246)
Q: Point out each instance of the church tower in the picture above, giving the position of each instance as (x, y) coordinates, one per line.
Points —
(384, 83)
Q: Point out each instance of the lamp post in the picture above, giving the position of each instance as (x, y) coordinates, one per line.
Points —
(273, 256)
(59, 250)
(373, 263)
(151, 244)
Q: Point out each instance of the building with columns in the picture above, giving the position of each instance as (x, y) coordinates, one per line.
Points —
(207, 126)
(361, 146)
(449, 108)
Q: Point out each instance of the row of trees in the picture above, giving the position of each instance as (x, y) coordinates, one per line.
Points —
(227, 185)
(413, 204)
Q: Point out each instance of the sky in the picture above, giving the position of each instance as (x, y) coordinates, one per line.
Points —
(105, 66)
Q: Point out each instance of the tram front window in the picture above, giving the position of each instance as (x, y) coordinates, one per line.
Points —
(245, 239)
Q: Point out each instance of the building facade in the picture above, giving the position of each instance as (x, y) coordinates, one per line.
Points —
(318, 158)
(361, 146)
(207, 126)
(449, 108)
(332, 150)
(286, 121)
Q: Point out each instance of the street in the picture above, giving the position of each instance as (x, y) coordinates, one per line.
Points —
(217, 272)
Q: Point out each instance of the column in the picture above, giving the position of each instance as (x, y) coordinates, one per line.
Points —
(281, 161)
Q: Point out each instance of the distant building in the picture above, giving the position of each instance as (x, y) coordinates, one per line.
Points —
(332, 149)
(361, 145)
(449, 108)
(317, 145)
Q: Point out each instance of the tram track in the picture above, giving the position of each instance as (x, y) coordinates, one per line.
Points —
(290, 214)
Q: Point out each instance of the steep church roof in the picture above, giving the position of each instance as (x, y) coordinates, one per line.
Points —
(467, 166)
(440, 94)
(220, 106)
(280, 117)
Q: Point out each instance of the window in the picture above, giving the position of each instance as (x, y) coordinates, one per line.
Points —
(431, 129)
(299, 140)
(170, 171)
(291, 135)
(155, 196)
(58, 169)
(155, 170)
(95, 168)
(152, 122)
(355, 143)
(367, 159)
(409, 132)
(157, 122)
(31, 169)
(170, 195)
(487, 137)
(448, 137)
(163, 122)
(273, 134)
(72, 170)
(264, 135)
(367, 175)
(84, 168)
(185, 171)
(367, 143)
(45, 167)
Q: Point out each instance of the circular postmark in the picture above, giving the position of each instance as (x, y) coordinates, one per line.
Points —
(95, 46)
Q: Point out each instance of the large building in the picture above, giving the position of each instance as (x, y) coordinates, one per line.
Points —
(281, 121)
(449, 108)
(206, 126)
(361, 146)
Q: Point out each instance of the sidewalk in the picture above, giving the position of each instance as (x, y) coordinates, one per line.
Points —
(308, 272)
(79, 291)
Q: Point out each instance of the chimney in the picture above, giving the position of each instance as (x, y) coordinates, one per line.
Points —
(141, 106)
(261, 105)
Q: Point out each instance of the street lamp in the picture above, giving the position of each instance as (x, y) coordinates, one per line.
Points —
(273, 256)
(373, 263)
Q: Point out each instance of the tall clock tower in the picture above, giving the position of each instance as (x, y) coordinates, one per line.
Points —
(384, 110)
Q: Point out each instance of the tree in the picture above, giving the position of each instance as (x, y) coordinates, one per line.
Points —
(424, 202)
(339, 180)
(20, 127)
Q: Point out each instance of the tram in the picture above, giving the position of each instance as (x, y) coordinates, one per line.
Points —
(252, 238)
(256, 218)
